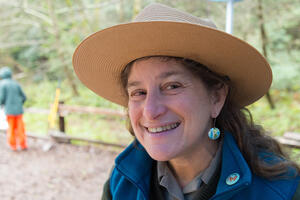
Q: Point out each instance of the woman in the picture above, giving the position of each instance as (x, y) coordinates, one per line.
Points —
(186, 85)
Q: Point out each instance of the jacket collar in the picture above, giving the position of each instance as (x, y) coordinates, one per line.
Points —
(135, 164)
(233, 162)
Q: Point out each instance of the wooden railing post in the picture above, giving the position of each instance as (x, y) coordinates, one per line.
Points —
(61, 118)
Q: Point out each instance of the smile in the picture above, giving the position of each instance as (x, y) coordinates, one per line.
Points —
(163, 128)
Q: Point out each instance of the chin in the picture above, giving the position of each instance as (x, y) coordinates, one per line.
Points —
(160, 155)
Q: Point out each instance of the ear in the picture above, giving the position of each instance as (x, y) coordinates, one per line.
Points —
(218, 97)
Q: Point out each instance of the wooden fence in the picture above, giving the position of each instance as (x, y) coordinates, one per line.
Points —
(63, 110)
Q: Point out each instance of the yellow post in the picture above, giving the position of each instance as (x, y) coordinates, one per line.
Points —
(54, 108)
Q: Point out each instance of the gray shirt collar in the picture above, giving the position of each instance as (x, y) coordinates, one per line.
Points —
(168, 181)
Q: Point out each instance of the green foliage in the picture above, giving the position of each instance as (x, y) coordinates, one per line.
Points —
(45, 98)
(39, 94)
(284, 118)
(285, 77)
(36, 123)
(98, 128)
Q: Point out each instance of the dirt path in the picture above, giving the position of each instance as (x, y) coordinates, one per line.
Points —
(65, 172)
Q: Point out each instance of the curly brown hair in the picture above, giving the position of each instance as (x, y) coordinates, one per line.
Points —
(252, 140)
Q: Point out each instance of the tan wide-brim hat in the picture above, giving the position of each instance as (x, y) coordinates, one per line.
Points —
(160, 30)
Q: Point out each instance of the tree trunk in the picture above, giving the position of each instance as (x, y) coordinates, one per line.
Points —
(264, 39)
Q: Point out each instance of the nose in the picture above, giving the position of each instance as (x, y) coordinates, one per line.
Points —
(154, 106)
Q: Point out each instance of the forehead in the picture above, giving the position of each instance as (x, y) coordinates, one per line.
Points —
(157, 67)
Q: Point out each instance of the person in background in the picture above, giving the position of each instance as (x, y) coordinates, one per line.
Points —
(186, 86)
(12, 98)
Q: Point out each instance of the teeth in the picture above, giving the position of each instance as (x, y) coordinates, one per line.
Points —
(163, 128)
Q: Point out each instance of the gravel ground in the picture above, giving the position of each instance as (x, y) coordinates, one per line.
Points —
(65, 172)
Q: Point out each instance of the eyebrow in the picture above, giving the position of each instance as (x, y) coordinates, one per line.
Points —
(161, 76)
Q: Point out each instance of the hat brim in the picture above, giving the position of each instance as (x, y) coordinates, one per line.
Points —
(99, 60)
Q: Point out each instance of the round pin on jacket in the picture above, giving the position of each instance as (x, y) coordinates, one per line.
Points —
(232, 178)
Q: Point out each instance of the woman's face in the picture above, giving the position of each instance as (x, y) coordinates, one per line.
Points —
(170, 110)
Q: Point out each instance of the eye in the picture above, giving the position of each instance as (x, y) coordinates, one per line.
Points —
(172, 86)
(137, 94)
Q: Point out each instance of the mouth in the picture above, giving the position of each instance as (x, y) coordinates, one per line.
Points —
(163, 128)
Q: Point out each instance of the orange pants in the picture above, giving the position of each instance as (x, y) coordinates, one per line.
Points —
(16, 132)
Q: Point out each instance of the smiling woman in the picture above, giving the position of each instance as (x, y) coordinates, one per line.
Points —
(186, 95)
(171, 112)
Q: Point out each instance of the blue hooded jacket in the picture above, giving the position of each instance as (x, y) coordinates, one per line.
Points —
(131, 176)
(11, 93)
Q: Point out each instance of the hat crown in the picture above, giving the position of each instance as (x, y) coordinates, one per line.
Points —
(160, 12)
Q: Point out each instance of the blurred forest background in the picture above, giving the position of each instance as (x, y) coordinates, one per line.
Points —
(38, 38)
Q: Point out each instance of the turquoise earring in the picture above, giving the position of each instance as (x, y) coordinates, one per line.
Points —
(214, 133)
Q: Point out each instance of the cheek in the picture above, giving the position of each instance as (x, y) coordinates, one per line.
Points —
(133, 112)
(194, 109)
(188, 104)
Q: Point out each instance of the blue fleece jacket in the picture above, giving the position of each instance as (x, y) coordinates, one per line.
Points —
(131, 176)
